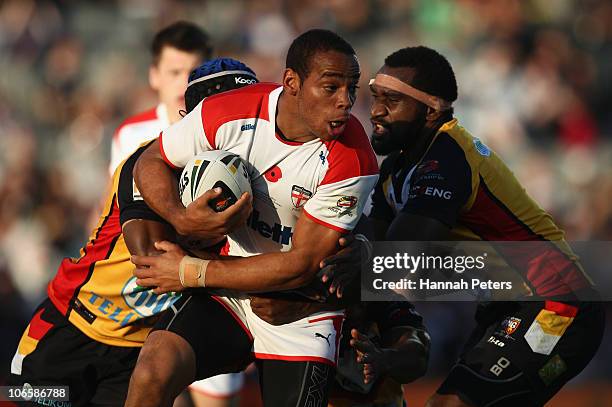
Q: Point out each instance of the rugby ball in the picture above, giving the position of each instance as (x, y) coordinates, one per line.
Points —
(215, 169)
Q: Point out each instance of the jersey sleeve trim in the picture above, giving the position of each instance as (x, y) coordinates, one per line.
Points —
(351, 155)
(323, 223)
(163, 154)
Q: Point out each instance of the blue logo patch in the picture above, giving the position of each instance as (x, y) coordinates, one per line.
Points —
(246, 127)
(481, 148)
(144, 302)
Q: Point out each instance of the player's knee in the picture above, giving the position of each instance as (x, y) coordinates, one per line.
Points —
(447, 400)
(166, 362)
(146, 376)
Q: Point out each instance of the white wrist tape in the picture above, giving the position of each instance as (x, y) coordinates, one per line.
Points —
(192, 271)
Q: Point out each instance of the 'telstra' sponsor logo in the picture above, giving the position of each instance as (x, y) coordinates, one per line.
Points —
(244, 81)
(144, 301)
(249, 126)
(277, 232)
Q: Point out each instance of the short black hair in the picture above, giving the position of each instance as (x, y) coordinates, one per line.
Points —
(434, 74)
(304, 47)
(184, 36)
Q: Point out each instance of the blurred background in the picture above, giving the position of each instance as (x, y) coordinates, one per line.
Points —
(535, 83)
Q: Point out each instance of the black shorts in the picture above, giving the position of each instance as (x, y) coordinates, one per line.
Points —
(222, 345)
(219, 342)
(525, 353)
(60, 354)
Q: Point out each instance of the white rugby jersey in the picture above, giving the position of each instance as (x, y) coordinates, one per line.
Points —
(134, 131)
(327, 181)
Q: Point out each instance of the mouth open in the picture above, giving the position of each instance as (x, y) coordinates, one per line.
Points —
(379, 129)
(337, 127)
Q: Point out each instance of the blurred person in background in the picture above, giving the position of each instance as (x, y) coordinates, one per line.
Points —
(87, 335)
(176, 50)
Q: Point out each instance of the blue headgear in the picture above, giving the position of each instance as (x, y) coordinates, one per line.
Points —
(215, 76)
(219, 67)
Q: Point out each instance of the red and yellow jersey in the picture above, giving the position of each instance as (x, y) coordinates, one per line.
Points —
(465, 185)
(97, 291)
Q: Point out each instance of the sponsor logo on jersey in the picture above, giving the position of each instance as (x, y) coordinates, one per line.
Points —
(277, 232)
(345, 206)
(426, 166)
(482, 149)
(320, 335)
(249, 126)
(299, 196)
(496, 342)
(322, 157)
(145, 302)
(347, 202)
(433, 192)
(242, 81)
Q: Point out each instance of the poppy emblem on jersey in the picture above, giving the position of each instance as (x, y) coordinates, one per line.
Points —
(511, 324)
(299, 196)
(347, 202)
(273, 174)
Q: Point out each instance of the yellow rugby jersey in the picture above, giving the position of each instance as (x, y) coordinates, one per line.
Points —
(465, 185)
(97, 291)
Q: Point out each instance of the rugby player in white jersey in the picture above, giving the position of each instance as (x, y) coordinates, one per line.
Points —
(312, 169)
(175, 51)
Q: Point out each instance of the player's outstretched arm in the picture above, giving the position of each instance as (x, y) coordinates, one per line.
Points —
(295, 268)
(157, 183)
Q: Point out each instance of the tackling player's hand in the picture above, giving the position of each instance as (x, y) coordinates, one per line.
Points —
(201, 221)
(342, 269)
(370, 355)
(279, 311)
(161, 271)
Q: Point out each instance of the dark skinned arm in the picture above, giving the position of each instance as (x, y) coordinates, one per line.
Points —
(265, 272)
(140, 236)
(402, 355)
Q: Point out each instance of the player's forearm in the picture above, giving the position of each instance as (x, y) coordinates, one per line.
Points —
(157, 184)
(140, 236)
(266, 272)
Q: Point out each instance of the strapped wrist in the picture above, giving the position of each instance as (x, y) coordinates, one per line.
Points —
(192, 271)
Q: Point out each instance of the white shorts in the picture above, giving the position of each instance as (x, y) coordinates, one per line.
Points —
(221, 386)
(314, 338)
